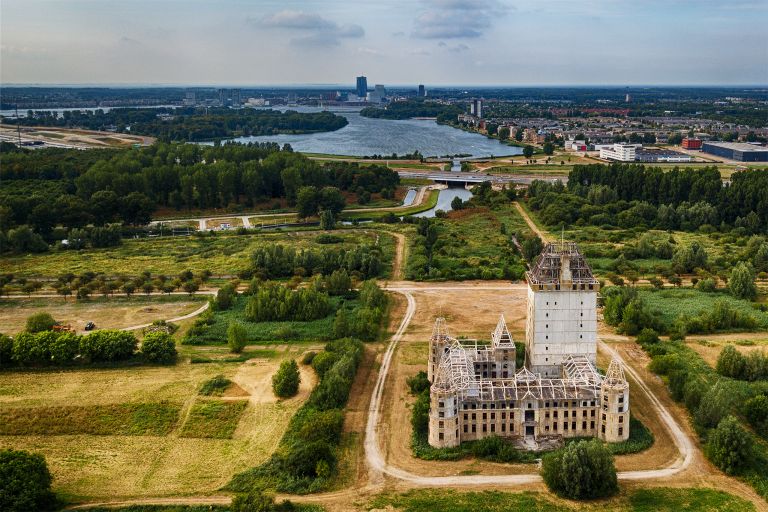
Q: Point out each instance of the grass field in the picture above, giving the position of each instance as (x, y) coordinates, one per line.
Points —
(472, 245)
(671, 303)
(107, 313)
(88, 466)
(221, 254)
(644, 500)
(215, 419)
(143, 419)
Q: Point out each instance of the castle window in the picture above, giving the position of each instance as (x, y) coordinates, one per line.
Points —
(603, 429)
(603, 417)
(441, 414)
(546, 337)
(511, 428)
(511, 415)
(441, 436)
(581, 314)
(621, 408)
(621, 419)
(592, 413)
(546, 428)
(465, 429)
(493, 405)
(554, 426)
(621, 399)
(546, 348)
(547, 314)
(546, 359)
(503, 427)
(440, 424)
(590, 286)
(592, 424)
(474, 416)
(493, 427)
(485, 416)
(493, 415)
(582, 303)
(485, 427)
(474, 428)
(565, 425)
(554, 414)
(573, 425)
(546, 414)
(546, 326)
(465, 417)
(565, 414)
(503, 415)
(583, 425)
(621, 430)
(573, 404)
(581, 337)
(583, 414)
(546, 404)
(441, 404)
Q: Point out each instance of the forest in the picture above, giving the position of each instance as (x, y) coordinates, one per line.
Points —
(187, 124)
(630, 195)
(414, 108)
(46, 188)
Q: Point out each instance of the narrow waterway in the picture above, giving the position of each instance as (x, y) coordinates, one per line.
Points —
(444, 200)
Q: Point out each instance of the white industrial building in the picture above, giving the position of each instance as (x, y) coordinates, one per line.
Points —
(620, 152)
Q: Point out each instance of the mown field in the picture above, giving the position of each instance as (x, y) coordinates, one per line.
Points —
(144, 431)
(642, 500)
(221, 254)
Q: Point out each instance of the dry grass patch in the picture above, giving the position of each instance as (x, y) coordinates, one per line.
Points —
(216, 419)
(144, 419)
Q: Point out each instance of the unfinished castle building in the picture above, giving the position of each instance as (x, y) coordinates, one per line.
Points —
(478, 392)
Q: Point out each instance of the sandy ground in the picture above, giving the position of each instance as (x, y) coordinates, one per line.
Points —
(65, 137)
(106, 314)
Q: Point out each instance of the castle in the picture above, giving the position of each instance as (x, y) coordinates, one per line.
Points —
(477, 391)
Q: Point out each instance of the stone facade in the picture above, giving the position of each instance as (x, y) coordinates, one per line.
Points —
(477, 391)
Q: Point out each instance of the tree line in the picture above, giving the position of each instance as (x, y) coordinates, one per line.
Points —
(629, 195)
(188, 124)
(277, 261)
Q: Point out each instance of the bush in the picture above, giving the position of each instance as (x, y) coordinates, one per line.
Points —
(730, 363)
(25, 482)
(285, 383)
(647, 336)
(742, 282)
(6, 350)
(225, 297)
(418, 383)
(40, 322)
(108, 346)
(308, 357)
(729, 446)
(215, 386)
(159, 347)
(236, 337)
(581, 470)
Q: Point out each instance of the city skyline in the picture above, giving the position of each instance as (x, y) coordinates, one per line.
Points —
(434, 42)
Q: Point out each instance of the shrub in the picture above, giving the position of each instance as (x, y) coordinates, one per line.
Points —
(581, 470)
(418, 383)
(308, 357)
(729, 446)
(647, 336)
(495, 449)
(25, 482)
(285, 383)
(159, 347)
(236, 337)
(215, 386)
(6, 350)
(40, 322)
(323, 362)
(108, 345)
(730, 363)
(742, 281)
(225, 297)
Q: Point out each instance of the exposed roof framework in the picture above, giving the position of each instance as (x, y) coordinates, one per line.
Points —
(559, 262)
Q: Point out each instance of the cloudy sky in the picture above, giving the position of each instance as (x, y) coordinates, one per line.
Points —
(436, 42)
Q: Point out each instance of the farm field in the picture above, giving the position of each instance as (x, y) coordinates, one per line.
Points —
(116, 312)
(221, 254)
(170, 454)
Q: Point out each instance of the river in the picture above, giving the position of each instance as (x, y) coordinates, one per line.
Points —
(444, 200)
(365, 136)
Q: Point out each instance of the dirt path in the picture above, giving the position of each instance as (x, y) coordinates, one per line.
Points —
(398, 264)
(542, 234)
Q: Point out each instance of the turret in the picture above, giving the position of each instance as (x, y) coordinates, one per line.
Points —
(437, 344)
(614, 405)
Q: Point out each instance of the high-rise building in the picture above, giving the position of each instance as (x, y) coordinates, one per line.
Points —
(422, 91)
(361, 87)
(378, 95)
(189, 98)
(230, 97)
(476, 108)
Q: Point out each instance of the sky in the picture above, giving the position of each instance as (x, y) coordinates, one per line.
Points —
(392, 42)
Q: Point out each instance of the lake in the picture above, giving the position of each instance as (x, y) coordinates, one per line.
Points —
(365, 136)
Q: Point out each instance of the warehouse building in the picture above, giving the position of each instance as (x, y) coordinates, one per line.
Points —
(739, 151)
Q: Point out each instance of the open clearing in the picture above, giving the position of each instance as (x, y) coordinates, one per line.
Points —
(110, 313)
(133, 466)
(710, 346)
(75, 137)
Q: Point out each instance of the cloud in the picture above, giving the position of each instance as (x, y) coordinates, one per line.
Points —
(318, 31)
(458, 48)
(456, 19)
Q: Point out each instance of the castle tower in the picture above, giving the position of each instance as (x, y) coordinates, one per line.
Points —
(437, 344)
(614, 405)
(504, 351)
(562, 309)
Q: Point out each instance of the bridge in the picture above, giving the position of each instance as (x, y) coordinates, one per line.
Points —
(470, 178)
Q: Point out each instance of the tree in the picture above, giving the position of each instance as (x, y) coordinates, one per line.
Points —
(742, 282)
(159, 347)
(137, 209)
(503, 133)
(40, 322)
(756, 412)
(549, 149)
(190, 287)
(23, 239)
(729, 446)
(307, 201)
(532, 247)
(457, 203)
(25, 482)
(327, 220)
(236, 337)
(647, 336)
(730, 362)
(285, 383)
(656, 282)
(528, 151)
(581, 470)
(338, 283)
